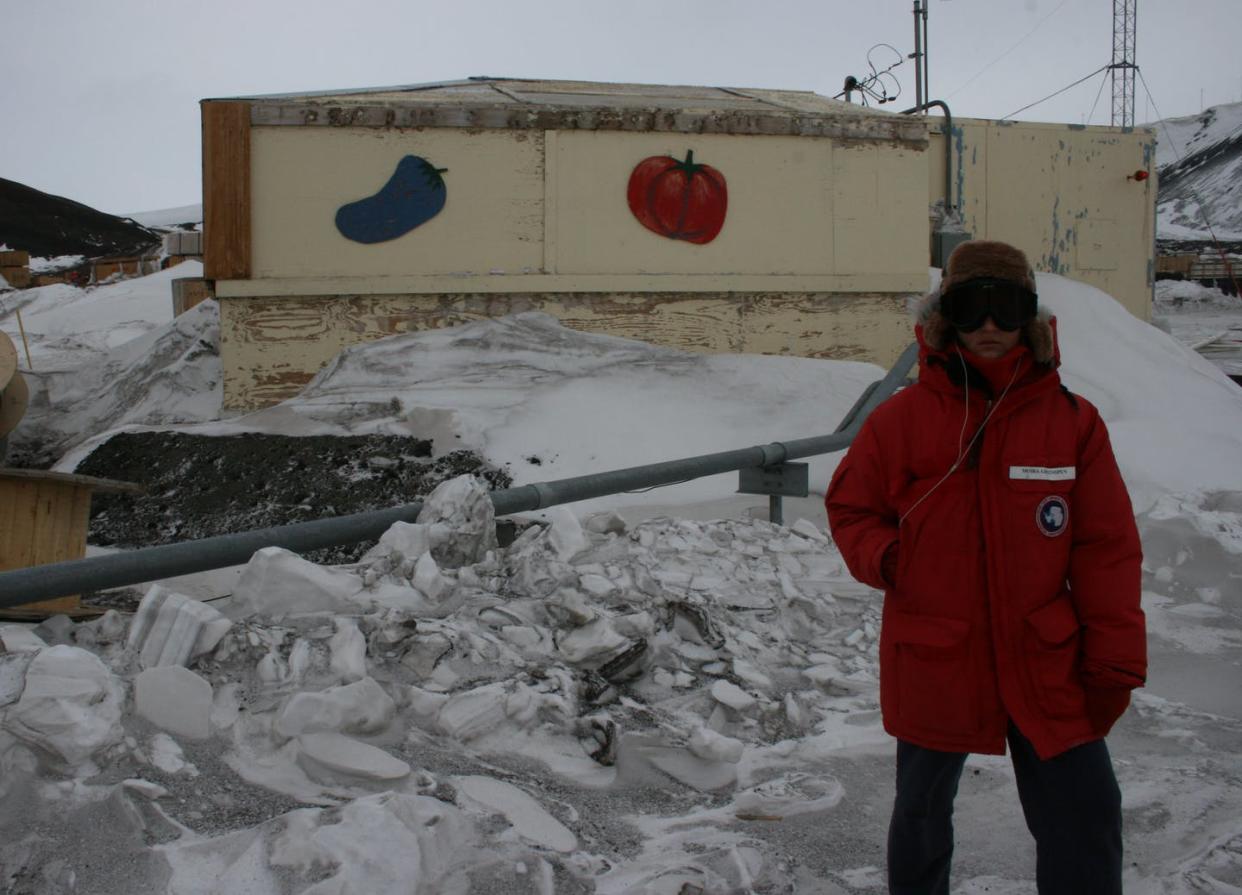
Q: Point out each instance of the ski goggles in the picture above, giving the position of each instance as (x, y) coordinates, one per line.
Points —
(967, 305)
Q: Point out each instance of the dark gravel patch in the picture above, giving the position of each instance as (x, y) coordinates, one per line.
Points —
(199, 486)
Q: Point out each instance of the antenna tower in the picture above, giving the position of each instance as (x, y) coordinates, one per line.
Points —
(1125, 16)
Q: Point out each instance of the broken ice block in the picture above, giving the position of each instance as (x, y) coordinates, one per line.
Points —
(277, 582)
(174, 699)
(566, 536)
(530, 820)
(349, 651)
(326, 754)
(464, 506)
(71, 704)
(20, 639)
(474, 712)
(730, 694)
(171, 628)
(360, 707)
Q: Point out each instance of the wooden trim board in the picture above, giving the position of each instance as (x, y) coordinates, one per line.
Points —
(226, 190)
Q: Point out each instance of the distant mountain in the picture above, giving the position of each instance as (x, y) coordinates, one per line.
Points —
(47, 226)
(1199, 158)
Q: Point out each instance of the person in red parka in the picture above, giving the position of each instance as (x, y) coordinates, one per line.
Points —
(985, 501)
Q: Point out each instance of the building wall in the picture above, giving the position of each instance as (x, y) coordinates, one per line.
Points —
(523, 203)
(1064, 194)
(822, 241)
(272, 345)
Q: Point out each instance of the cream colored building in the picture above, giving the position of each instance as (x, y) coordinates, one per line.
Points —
(318, 235)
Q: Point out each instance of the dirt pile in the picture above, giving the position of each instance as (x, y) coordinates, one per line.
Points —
(199, 486)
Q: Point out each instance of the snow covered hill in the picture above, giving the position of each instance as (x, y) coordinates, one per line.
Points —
(1199, 158)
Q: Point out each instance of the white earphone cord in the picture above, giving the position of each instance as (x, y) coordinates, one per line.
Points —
(961, 454)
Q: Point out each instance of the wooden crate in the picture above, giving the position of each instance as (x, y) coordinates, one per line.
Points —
(1175, 263)
(17, 277)
(43, 519)
(189, 291)
(14, 258)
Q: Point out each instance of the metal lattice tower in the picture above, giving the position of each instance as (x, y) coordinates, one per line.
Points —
(1125, 15)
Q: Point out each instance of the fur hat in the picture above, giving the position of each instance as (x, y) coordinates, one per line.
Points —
(985, 258)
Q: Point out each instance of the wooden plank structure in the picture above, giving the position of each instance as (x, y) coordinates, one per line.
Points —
(43, 519)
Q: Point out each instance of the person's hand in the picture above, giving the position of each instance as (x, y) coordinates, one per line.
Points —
(1105, 705)
(888, 564)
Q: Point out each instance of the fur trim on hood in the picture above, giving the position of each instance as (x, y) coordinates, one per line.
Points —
(938, 333)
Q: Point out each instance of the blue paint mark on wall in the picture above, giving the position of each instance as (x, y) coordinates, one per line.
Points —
(412, 196)
(959, 147)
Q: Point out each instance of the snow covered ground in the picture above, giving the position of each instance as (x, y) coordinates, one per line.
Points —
(656, 692)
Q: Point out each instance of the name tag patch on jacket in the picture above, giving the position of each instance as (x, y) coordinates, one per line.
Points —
(1052, 515)
(1043, 473)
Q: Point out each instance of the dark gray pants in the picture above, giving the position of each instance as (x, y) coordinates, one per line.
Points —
(1071, 802)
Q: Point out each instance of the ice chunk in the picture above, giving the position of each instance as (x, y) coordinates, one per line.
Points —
(594, 640)
(731, 695)
(427, 578)
(70, 707)
(608, 522)
(809, 530)
(474, 712)
(277, 582)
(707, 744)
(464, 506)
(171, 629)
(566, 535)
(644, 759)
(349, 651)
(327, 754)
(13, 676)
(20, 639)
(174, 699)
(530, 820)
(360, 707)
(790, 794)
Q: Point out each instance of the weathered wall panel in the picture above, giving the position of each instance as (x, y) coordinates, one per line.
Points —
(491, 222)
(1063, 194)
(272, 346)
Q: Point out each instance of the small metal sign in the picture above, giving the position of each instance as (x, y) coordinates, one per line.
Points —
(783, 479)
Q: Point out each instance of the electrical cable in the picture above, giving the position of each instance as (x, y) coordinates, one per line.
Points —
(1005, 54)
(1058, 93)
(961, 454)
(1193, 192)
(1098, 93)
(867, 86)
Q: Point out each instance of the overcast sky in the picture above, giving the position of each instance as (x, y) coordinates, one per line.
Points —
(99, 98)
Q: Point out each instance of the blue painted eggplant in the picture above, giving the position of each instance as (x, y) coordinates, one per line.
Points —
(413, 195)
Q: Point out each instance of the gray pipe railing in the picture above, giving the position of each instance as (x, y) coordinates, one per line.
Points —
(35, 583)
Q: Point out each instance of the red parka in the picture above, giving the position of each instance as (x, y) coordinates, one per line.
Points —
(1017, 581)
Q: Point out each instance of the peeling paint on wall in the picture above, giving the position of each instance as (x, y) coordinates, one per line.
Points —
(271, 347)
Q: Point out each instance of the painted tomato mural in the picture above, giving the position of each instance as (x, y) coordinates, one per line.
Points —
(678, 199)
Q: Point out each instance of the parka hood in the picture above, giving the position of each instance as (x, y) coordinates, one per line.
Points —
(936, 334)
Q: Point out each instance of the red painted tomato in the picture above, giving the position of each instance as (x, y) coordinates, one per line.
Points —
(680, 200)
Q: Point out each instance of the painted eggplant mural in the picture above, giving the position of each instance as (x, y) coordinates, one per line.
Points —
(412, 196)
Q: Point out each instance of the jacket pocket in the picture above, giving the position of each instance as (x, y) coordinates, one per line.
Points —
(1053, 639)
(935, 684)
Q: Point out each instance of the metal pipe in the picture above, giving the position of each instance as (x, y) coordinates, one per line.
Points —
(948, 146)
(29, 585)
(918, 58)
(926, 77)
